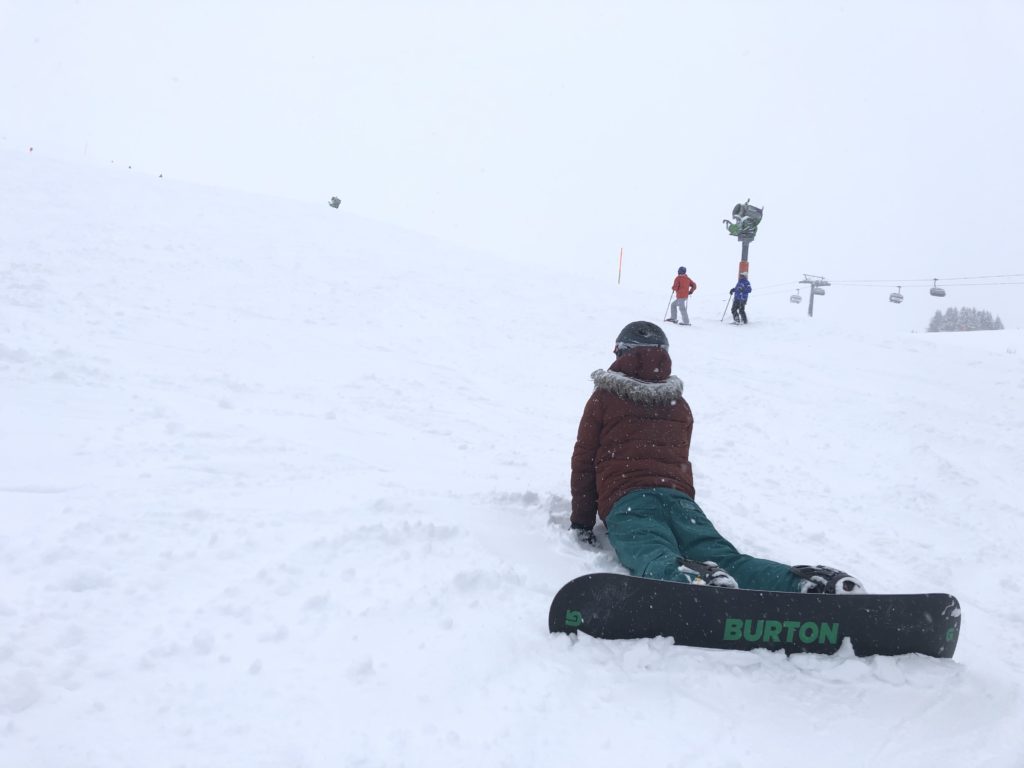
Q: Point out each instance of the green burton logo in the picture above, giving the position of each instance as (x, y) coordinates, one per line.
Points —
(772, 631)
(573, 619)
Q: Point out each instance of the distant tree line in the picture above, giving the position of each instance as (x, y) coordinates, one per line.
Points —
(964, 319)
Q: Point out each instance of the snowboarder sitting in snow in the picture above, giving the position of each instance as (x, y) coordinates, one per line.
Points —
(684, 287)
(631, 466)
(740, 293)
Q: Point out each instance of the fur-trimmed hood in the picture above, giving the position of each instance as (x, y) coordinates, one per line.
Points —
(651, 393)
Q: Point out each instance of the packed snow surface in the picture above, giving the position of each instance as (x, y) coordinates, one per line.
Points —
(284, 487)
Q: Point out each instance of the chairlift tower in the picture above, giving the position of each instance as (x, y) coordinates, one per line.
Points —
(817, 284)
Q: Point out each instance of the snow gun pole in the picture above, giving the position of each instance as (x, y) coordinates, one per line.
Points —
(728, 303)
(620, 265)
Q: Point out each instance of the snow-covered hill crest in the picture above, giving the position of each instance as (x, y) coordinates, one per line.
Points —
(284, 487)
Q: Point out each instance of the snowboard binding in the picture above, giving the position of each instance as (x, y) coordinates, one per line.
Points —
(822, 580)
(707, 572)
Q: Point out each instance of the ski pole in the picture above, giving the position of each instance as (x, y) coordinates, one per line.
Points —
(669, 305)
(728, 303)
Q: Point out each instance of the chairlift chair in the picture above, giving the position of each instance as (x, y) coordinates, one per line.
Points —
(896, 297)
(935, 290)
(819, 291)
(796, 298)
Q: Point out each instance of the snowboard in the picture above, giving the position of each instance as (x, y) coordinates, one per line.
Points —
(617, 607)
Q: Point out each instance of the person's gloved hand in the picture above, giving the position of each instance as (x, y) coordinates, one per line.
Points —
(732, 290)
(584, 535)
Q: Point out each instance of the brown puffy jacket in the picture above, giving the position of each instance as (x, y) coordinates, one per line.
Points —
(635, 433)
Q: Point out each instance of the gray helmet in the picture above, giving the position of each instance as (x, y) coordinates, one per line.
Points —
(682, 270)
(640, 334)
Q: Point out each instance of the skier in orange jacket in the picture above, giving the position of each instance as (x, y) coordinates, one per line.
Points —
(684, 288)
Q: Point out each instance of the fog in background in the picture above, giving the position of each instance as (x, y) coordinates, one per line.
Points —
(883, 139)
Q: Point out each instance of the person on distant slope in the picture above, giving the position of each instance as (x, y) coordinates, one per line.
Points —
(740, 293)
(684, 287)
(631, 467)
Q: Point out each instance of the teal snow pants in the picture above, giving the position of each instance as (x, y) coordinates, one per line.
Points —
(652, 528)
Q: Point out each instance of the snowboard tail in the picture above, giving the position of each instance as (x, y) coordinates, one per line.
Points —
(618, 607)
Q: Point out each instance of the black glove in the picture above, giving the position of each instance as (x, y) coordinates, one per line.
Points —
(584, 535)
(732, 290)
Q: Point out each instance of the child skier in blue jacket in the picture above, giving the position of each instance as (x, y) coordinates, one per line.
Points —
(739, 299)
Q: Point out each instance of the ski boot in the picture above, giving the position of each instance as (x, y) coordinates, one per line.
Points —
(822, 580)
(706, 573)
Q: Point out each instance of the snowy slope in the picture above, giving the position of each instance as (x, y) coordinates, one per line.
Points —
(284, 487)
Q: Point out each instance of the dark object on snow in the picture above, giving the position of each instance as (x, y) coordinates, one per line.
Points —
(335, 202)
(613, 606)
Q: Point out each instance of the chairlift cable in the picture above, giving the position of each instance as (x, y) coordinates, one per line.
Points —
(881, 284)
(929, 279)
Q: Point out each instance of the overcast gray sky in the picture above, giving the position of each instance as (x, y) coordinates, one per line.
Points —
(884, 138)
